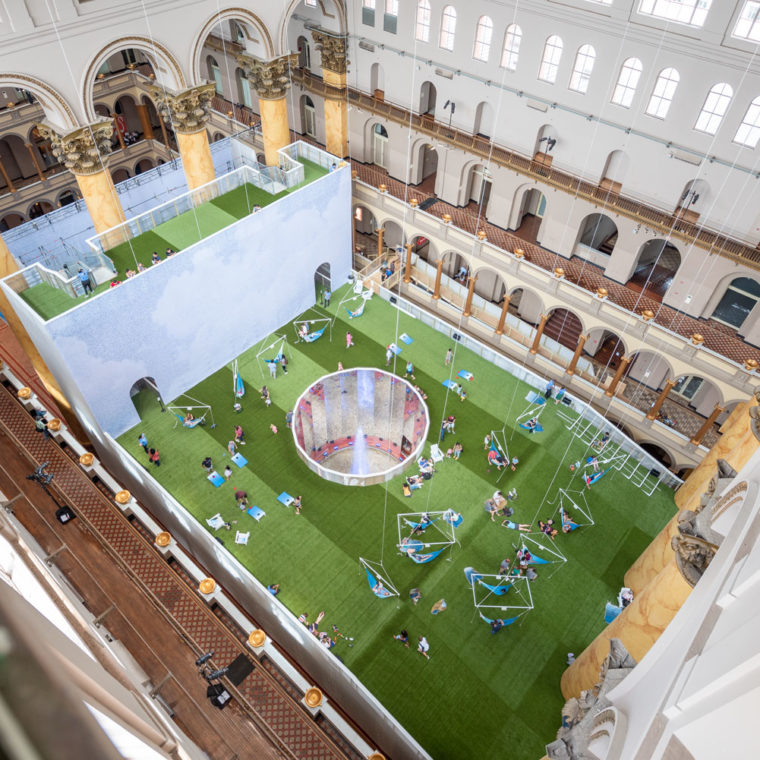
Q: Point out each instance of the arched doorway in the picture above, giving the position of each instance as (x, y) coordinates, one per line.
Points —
(564, 327)
(119, 175)
(304, 53)
(457, 271)
(526, 305)
(380, 146)
(484, 120)
(531, 214)
(597, 232)
(146, 397)
(694, 199)
(393, 235)
(365, 234)
(740, 298)
(478, 187)
(67, 197)
(308, 116)
(656, 266)
(322, 281)
(615, 171)
(39, 208)
(490, 286)
(17, 165)
(9, 221)
(428, 163)
(658, 453)
(143, 166)
(428, 96)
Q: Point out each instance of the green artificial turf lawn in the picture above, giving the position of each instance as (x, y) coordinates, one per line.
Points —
(178, 233)
(479, 695)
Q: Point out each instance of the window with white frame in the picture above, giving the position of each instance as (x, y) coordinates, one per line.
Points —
(748, 24)
(390, 18)
(391, 7)
(511, 50)
(584, 65)
(714, 109)
(749, 130)
(422, 33)
(627, 82)
(368, 12)
(692, 12)
(448, 27)
(663, 92)
(550, 60)
(483, 37)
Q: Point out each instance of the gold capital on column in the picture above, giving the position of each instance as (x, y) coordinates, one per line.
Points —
(577, 355)
(539, 333)
(652, 413)
(271, 80)
(187, 113)
(84, 151)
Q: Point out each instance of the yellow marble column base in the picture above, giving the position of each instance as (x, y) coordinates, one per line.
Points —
(336, 116)
(103, 203)
(274, 128)
(196, 159)
(638, 626)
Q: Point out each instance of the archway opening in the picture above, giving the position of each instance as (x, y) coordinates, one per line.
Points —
(532, 210)
(564, 327)
(9, 221)
(428, 163)
(484, 120)
(599, 233)
(377, 81)
(40, 208)
(145, 396)
(365, 236)
(478, 186)
(428, 96)
(656, 266)
(658, 453)
(380, 146)
(308, 116)
(322, 282)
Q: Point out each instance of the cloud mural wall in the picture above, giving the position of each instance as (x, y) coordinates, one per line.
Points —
(183, 319)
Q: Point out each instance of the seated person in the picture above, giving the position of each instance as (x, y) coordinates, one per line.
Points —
(155, 258)
(498, 498)
(242, 499)
(407, 490)
(415, 595)
(237, 407)
(415, 482)
(531, 424)
(547, 528)
(378, 587)
(189, 417)
(140, 266)
(207, 464)
(255, 209)
(170, 252)
(303, 331)
(626, 597)
(457, 450)
(130, 273)
(407, 546)
(491, 507)
(523, 558)
(497, 625)
(462, 393)
(273, 589)
(420, 391)
(461, 274)
(531, 574)
(567, 523)
(494, 458)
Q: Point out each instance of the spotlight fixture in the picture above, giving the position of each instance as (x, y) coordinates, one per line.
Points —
(204, 658)
(214, 674)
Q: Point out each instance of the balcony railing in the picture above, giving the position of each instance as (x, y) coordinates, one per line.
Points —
(605, 199)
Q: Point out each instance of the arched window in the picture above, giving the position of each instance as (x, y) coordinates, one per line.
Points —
(714, 109)
(584, 65)
(738, 301)
(627, 82)
(511, 47)
(550, 60)
(483, 39)
(448, 27)
(422, 33)
(749, 130)
(663, 92)
(692, 12)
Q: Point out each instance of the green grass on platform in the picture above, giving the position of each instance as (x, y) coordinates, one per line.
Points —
(479, 695)
(178, 233)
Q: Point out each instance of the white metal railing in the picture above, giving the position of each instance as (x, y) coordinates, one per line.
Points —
(582, 409)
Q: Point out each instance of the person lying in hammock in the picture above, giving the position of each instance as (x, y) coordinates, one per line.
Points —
(532, 425)
(494, 458)
(547, 528)
(567, 523)
(189, 417)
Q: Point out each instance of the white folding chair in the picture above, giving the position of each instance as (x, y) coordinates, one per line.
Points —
(216, 522)
(435, 453)
(242, 538)
(358, 287)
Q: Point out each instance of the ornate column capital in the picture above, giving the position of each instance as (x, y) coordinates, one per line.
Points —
(81, 150)
(333, 50)
(270, 79)
(186, 111)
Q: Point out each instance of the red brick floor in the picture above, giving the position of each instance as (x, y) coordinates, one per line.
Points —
(719, 338)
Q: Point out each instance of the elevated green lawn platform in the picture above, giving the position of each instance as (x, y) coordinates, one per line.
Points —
(180, 232)
(480, 695)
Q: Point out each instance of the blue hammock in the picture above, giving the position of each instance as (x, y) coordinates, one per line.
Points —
(471, 575)
(420, 526)
(504, 623)
(312, 336)
(591, 479)
(453, 518)
(421, 559)
(382, 593)
(563, 515)
(495, 456)
(410, 546)
(239, 387)
(498, 590)
(537, 428)
(358, 312)
(191, 424)
(534, 560)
